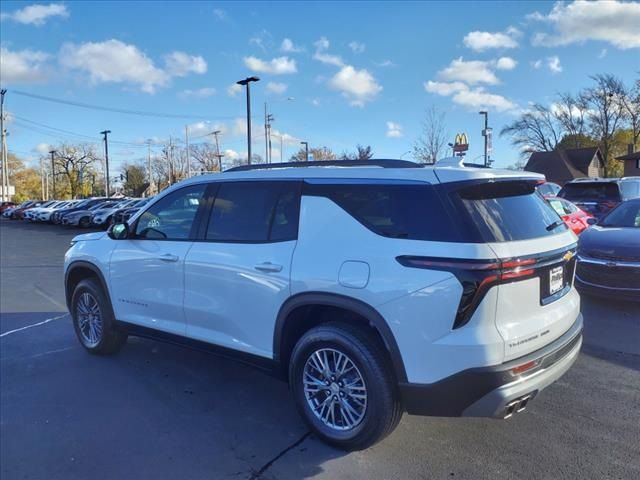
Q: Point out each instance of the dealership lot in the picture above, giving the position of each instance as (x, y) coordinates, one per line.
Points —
(159, 411)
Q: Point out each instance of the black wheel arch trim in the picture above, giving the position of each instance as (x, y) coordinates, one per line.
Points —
(359, 307)
(83, 264)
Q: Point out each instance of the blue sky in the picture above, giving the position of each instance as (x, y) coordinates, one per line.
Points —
(359, 73)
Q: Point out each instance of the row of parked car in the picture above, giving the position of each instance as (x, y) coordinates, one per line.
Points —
(97, 212)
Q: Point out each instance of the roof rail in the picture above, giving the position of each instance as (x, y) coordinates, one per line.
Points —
(382, 163)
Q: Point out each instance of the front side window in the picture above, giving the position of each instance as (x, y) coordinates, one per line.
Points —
(626, 215)
(254, 212)
(172, 217)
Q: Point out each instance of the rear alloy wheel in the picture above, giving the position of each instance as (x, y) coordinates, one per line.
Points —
(85, 222)
(93, 319)
(343, 386)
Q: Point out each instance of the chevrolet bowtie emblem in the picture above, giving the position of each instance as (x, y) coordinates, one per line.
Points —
(568, 256)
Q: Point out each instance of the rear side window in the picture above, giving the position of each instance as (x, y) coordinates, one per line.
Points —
(254, 212)
(408, 211)
(595, 191)
(630, 189)
(508, 211)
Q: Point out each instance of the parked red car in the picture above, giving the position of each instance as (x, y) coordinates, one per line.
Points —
(18, 213)
(575, 218)
(5, 205)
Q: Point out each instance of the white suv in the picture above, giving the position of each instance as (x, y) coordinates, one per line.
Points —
(374, 289)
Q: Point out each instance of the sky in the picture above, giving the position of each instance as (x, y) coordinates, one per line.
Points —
(335, 74)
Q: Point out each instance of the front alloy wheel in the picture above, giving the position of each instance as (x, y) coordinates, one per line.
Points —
(89, 320)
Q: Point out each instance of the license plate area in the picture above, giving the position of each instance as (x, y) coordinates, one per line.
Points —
(556, 280)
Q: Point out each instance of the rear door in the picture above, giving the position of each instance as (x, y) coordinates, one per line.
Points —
(537, 302)
(237, 275)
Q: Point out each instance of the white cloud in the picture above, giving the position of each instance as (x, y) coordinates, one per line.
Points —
(471, 72)
(36, 14)
(239, 127)
(478, 98)
(359, 86)
(180, 64)
(233, 155)
(287, 139)
(113, 61)
(263, 40)
(321, 55)
(394, 130)
(443, 88)
(234, 89)
(609, 21)
(288, 46)
(198, 93)
(23, 66)
(42, 148)
(384, 63)
(276, 87)
(506, 63)
(481, 41)
(204, 129)
(220, 14)
(553, 63)
(603, 53)
(357, 47)
(536, 64)
(275, 66)
(315, 102)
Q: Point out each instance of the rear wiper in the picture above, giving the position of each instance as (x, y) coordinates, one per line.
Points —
(554, 225)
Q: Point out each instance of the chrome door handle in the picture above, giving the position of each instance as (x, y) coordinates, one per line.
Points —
(167, 257)
(268, 267)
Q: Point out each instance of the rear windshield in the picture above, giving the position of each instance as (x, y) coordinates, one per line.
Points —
(590, 191)
(508, 211)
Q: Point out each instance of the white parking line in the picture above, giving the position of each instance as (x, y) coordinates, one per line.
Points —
(34, 325)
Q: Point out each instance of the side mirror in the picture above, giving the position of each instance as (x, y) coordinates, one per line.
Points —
(118, 231)
(592, 221)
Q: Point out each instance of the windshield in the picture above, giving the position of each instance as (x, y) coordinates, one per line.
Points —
(591, 191)
(626, 215)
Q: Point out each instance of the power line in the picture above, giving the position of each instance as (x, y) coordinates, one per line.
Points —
(119, 110)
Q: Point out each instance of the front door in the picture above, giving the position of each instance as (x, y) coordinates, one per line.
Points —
(147, 269)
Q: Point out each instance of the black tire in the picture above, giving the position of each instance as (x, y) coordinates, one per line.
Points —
(383, 408)
(110, 339)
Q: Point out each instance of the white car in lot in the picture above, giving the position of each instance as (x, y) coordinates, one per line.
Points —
(33, 212)
(82, 218)
(102, 216)
(385, 288)
(44, 214)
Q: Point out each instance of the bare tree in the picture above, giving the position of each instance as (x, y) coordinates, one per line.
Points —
(204, 155)
(430, 145)
(537, 130)
(74, 163)
(630, 101)
(571, 112)
(318, 154)
(606, 112)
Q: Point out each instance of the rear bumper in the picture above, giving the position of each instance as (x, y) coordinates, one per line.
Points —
(495, 391)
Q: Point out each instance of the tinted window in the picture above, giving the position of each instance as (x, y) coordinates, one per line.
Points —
(590, 191)
(548, 188)
(408, 211)
(559, 207)
(171, 218)
(255, 212)
(509, 211)
(627, 214)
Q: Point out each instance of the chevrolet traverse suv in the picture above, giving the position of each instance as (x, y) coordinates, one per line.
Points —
(374, 288)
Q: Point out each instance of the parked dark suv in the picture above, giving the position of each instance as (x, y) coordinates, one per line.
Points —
(598, 196)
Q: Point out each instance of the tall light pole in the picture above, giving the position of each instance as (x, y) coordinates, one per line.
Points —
(485, 132)
(149, 164)
(218, 155)
(306, 148)
(247, 82)
(3, 150)
(186, 140)
(53, 174)
(106, 160)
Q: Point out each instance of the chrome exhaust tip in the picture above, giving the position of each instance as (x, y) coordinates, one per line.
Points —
(516, 406)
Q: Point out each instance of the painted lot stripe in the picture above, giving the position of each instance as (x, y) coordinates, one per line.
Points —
(33, 325)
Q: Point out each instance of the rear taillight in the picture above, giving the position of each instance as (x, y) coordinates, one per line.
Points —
(476, 277)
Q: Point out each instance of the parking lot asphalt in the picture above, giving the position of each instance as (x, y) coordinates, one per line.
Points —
(156, 411)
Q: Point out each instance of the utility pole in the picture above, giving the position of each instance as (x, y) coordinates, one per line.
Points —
(266, 134)
(170, 155)
(485, 134)
(106, 160)
(149, 164)
(281, 147)
(269, 120)
(306, 148)
(53, 174)
(247, 82)
(218, 155)
(3, 154)
(186, 141)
